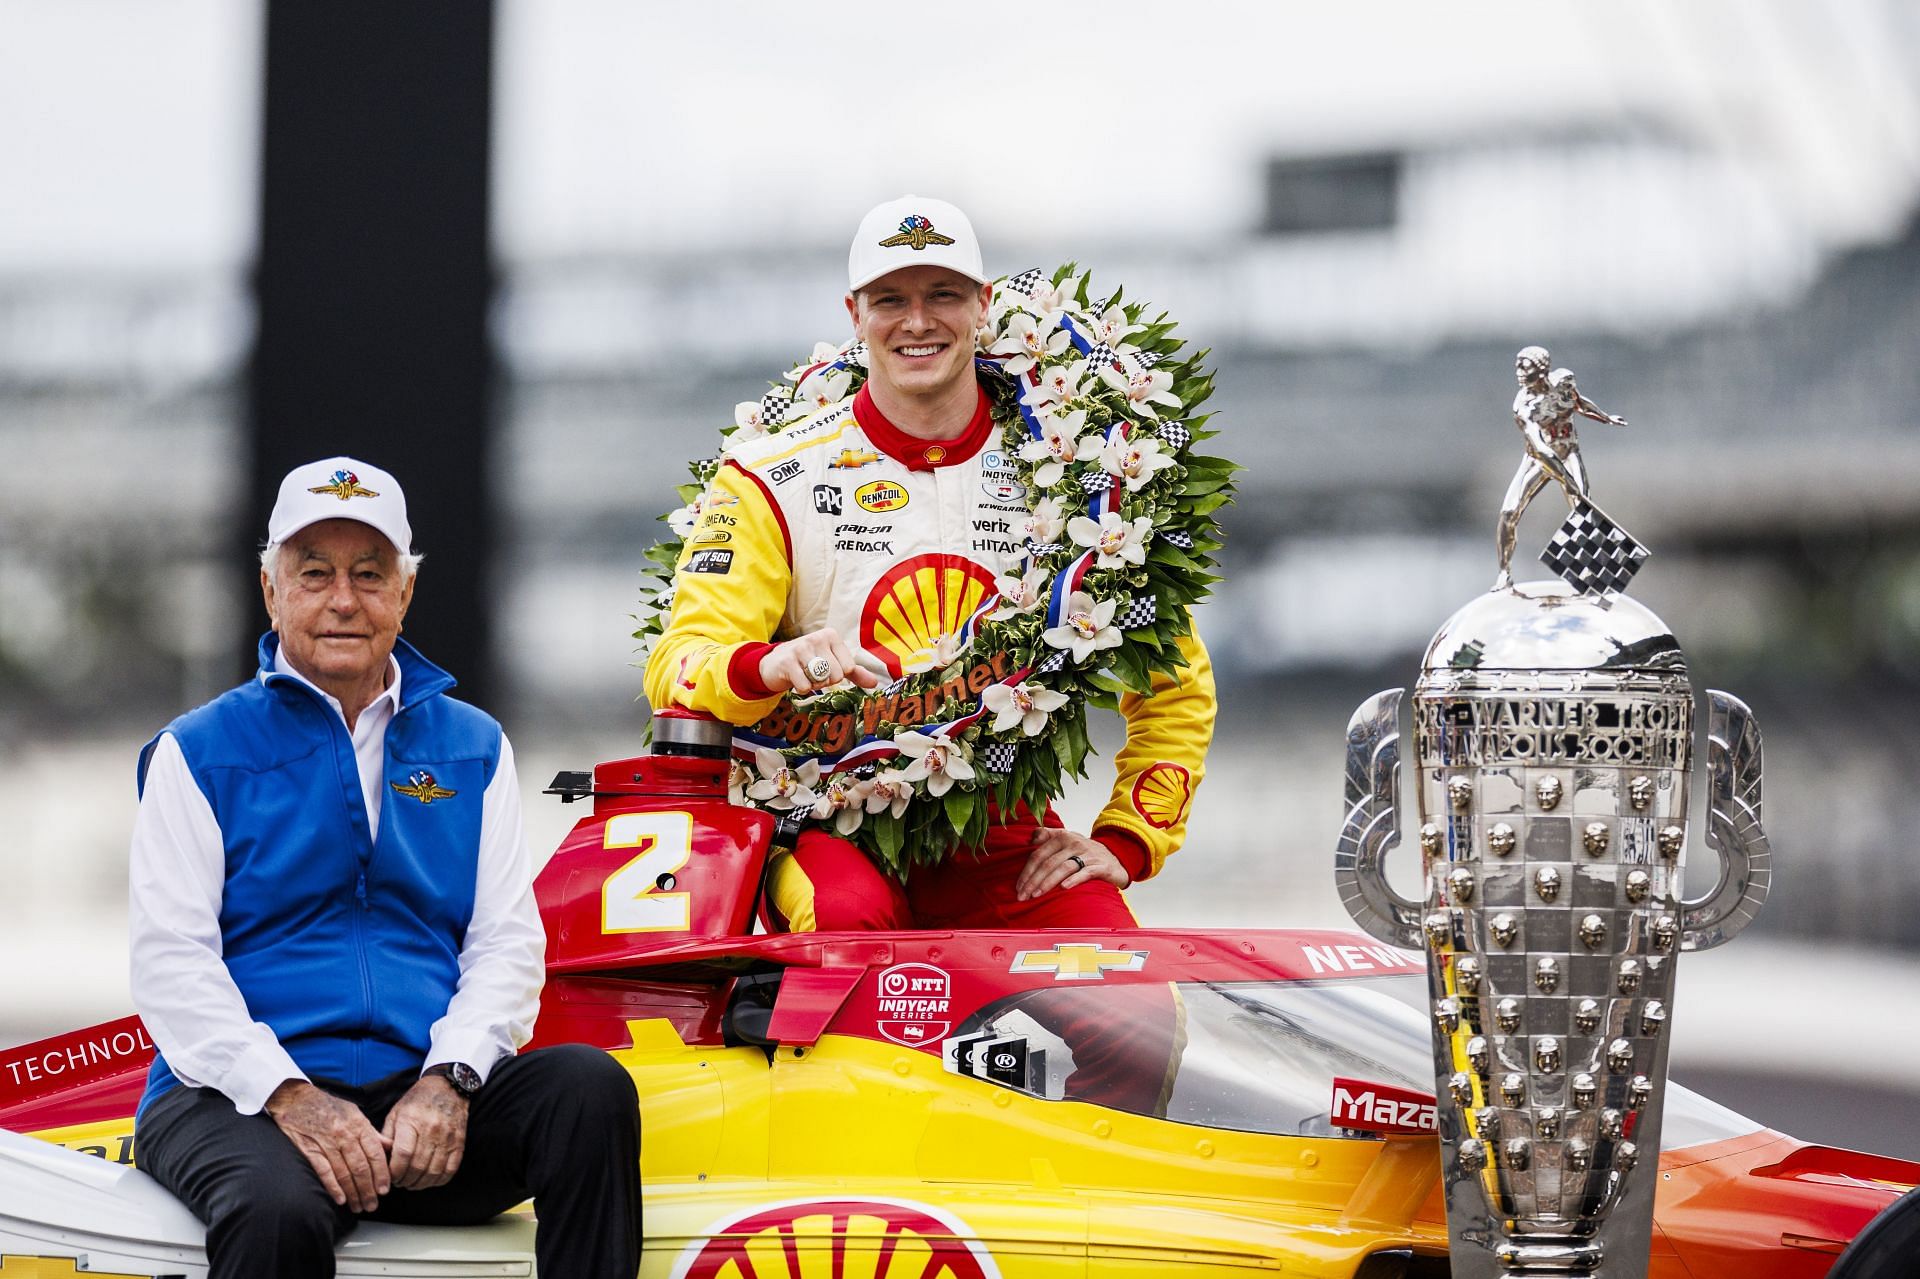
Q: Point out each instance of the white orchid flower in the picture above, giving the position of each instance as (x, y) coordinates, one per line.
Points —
(1143, 390)
(1050, 300)
(781, 786)
(1025, 342)
(1118, 542)
(739, 776)
(823, 353)
(1020, 594)
(945, 649)
(939, 761)
(1027, 705)
(822, 391)
(1088, 628)
(1136, 461)
(684, 520)
(1060, 446)
(1112, 326)
(1046, 523)
(1059, 384)
(889, 789)
(842, 799)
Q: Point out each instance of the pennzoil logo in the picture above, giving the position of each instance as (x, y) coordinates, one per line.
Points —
(873, 1238)
(852, 459)
(345, 484)
(1161, 794)
(916, 233)
(1079, 961)
(421, 786)
(916, 604)
(881, 496)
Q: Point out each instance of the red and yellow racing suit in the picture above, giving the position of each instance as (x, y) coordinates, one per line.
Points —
(848, 522)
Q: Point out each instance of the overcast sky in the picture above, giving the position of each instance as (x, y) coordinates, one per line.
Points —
(128, 127)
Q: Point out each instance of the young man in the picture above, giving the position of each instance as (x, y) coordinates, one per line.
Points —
(334, 942)
(844, 549)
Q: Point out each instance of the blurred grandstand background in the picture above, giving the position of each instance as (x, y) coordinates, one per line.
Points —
(1707, 211)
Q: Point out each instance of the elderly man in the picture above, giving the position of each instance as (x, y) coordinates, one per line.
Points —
(334, 941)
(797, 598)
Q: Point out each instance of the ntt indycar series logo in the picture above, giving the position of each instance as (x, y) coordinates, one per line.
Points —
(911, 1007)
(1363, 1106)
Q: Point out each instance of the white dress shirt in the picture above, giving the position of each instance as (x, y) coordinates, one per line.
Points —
(181, 987)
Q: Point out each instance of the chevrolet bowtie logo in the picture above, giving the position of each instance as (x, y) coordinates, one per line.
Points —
(1079, 961)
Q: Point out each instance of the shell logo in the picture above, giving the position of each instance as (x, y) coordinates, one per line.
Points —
(1161, 793)
(917, 602)
(868, 1238)
(881, 496)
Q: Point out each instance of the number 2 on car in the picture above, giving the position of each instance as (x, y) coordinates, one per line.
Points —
(634, 898)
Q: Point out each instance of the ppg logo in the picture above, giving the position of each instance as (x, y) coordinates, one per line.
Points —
(826, 499)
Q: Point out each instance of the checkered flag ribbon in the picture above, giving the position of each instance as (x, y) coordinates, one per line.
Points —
(1175, 436)
(1140, 611)
(1026, 282)
(666, 599)
(855, 355)
(774, 405)
(996, 757)
(1180, 538)
(1040, 550)
(1145, 359)
(892, 689)
(1592, 553)
(1053, 662)
(1096, 481)
(1099, 356)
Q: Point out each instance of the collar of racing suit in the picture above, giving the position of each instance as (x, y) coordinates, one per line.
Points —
(917, 454)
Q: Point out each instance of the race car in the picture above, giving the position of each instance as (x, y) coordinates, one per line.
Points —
(941, 1105)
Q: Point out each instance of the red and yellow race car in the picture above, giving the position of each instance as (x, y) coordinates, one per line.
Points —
(937, 1105)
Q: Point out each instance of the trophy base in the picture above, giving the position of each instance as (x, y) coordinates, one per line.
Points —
(1549, 1258)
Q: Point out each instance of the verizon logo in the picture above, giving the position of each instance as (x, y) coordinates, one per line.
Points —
(1371, 1107)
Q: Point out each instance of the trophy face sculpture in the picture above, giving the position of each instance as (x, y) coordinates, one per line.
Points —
(1553, 734)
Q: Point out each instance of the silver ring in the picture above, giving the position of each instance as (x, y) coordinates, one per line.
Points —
(1078, 860)
(818, 669)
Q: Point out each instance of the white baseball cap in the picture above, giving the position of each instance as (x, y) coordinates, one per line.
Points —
(913, 231)
(340, 488)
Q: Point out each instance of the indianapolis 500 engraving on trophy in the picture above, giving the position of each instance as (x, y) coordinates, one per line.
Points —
(1553, 735)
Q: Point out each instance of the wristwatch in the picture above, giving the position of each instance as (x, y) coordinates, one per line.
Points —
(464, 1078)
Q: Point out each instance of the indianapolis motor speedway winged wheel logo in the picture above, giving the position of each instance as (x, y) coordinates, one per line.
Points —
(916, 233)
(344, 485)
(421, 786)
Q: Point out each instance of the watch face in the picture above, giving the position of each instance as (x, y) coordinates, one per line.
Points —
(465, 1078)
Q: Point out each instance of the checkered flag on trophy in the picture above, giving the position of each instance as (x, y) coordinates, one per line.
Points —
(1592, 553)
(1025, 282)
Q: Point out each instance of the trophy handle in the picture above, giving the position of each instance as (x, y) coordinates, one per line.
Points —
(1372, 828)
(1733, 828)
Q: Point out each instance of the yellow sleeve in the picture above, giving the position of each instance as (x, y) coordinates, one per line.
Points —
(1165, 756)
(729, 590)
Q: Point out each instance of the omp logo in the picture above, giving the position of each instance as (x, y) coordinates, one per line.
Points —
(809, 1238)
(784, 472)
(881, 495)
(1371, 1107)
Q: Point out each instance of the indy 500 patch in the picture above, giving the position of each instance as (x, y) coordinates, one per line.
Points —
(710, 562)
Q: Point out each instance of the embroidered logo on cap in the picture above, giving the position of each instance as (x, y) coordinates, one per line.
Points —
(916, 233)
(422, 787)
(345, 485)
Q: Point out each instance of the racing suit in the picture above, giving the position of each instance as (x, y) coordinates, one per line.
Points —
(846, 521)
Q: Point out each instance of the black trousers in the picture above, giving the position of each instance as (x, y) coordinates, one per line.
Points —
(560, 1126)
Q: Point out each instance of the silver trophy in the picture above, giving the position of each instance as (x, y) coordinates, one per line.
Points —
(1553, 736)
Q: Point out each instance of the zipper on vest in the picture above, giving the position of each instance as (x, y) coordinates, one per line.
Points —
(366, 977)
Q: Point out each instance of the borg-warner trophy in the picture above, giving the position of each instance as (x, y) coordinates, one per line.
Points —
(1553, 735)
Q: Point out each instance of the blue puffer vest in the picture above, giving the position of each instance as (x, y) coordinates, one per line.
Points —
(344, 941)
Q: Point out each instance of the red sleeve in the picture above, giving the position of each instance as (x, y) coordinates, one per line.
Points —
(1126, 846)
